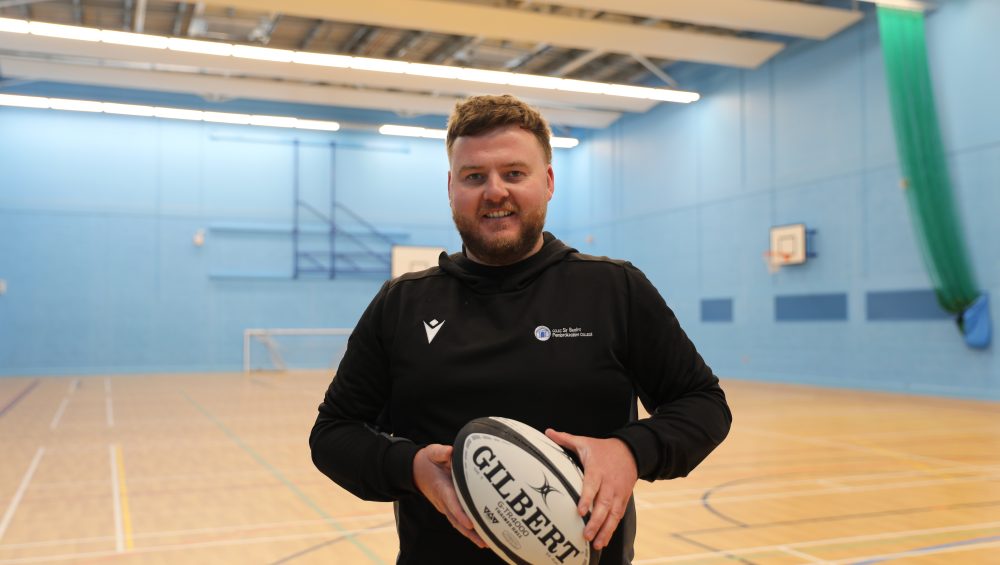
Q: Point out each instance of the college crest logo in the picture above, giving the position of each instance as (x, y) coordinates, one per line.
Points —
(542, 333)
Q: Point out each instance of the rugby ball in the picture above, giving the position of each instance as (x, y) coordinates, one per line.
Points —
(521, 490)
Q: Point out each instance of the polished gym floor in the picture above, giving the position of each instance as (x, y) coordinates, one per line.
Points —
(215, 468)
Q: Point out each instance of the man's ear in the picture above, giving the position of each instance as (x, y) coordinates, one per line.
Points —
(551, 181)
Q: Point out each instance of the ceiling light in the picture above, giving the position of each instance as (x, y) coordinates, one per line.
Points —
(534, 81)
(63, 31)
(380, 65)
(196, 46)
(133, 39)
(361, 63)
(412, 131)
(317, 125)
(437, 71)
(162, 112)
(574, 85)
(322, 59)
(13, 26)
(23, 101)
(263, 53)
(564, 142)
(75, 105)
(126, 109)
(273, 121)
(178, 114)
(226, 118)
(481, 75)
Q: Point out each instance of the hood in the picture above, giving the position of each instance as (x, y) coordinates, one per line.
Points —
(488, 280)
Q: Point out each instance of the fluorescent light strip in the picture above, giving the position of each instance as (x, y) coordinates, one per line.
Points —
(162, 112)
(342, 61)
(411, 131)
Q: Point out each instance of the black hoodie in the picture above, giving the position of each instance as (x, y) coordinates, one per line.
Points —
(560, 340)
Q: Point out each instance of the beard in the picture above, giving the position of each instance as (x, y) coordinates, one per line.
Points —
(496, 249)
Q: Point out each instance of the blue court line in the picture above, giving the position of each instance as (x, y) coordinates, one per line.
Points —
(18, 398)
(277, 474)
(930, 548)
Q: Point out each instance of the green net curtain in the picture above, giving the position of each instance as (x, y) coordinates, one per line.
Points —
(921, 155)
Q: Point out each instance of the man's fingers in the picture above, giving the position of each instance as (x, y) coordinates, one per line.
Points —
(562, 438)
(597, 517)
(611, 520)
(590, 487)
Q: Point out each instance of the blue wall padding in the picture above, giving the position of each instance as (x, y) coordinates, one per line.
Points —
(888, 305)
(810, 307)
(717, 310)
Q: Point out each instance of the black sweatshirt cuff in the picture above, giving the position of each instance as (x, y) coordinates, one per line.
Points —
(398, 467)
(645, 449)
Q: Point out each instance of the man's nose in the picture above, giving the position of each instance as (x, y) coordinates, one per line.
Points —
(496, 189)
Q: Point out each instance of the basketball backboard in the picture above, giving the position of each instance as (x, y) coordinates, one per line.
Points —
(410, 258)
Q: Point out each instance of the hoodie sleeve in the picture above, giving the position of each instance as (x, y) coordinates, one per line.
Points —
(689, 413)
(346, 444)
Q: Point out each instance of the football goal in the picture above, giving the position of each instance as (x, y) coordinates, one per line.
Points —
(290, 349)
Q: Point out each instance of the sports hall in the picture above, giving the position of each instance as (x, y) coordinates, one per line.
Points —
(197, 204)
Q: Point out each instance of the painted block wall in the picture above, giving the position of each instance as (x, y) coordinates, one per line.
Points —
(98, 215)
(688, 193)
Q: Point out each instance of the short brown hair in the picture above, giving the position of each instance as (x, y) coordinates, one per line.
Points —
(479, 114)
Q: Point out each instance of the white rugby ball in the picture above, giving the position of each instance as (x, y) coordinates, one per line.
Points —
(521, 490)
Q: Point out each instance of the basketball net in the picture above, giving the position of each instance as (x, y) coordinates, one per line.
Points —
(775, 260)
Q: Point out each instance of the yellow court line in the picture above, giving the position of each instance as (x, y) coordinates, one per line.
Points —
(123, 497)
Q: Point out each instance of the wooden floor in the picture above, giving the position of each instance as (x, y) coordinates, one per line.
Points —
(216, 469)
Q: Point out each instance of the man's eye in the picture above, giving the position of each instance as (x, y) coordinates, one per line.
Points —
(515, 174)
(474, 177)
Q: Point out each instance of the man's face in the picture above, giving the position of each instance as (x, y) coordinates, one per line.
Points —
(499, 186)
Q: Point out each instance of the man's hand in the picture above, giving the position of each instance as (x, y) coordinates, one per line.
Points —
(609, 475)
(432, 476)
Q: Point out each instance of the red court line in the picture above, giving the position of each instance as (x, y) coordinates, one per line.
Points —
(18, 398)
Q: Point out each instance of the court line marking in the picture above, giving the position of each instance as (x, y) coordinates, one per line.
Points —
(200, 531)
(8, 516)
(73, 386)
(853, 447)
(968, 545)
(123, 517)
(819, 492)
(822, 542)
(59, 413)
(801, 555)
(109, 410)
(281, 477)
(19, 397)
(819, 479)
(185, 546)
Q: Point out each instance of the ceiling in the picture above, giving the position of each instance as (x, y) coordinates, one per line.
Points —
(629, 42)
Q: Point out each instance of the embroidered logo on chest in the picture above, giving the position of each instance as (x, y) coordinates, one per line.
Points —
(432, 328)
(544, 333)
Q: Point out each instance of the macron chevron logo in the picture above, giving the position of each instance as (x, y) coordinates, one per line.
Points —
(432, 329)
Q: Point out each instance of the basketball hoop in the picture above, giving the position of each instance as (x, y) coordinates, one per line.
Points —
(775, 260)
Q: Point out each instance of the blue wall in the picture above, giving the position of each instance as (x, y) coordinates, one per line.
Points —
(688, 194)
(97, 214)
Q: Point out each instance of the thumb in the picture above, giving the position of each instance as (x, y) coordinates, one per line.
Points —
(562, 438)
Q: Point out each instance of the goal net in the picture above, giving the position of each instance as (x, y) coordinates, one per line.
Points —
(291, 349)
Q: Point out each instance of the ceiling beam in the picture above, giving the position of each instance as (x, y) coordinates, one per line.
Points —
(217, 87)
(517, 25)
(796, 19)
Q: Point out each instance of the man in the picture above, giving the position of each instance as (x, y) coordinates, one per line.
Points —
(517, 325)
